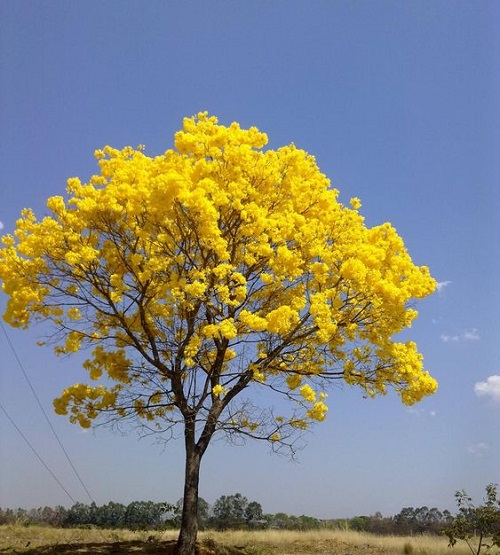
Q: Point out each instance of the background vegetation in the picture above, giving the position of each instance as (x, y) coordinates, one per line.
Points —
(229, 512)
(236, 526)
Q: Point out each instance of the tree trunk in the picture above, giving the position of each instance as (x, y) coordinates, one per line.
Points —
(186, 544)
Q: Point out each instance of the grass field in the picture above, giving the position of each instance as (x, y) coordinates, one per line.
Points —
(49, 541)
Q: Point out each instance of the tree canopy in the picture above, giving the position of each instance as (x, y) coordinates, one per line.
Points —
(216, 266)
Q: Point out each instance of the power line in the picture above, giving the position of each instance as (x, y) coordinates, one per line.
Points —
(36, 454)
(50, 426)
(45, 414)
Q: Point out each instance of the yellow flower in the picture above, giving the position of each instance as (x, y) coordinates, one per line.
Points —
(318, 411)
(308, 393)
(355, 203)
(282, 319)
(74, 313)
(258, 376)
(218, 390)
(228, 329)
(294, 381)
(252, 321)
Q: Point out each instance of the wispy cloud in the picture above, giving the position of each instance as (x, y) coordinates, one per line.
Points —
(478, 449)
(441, 285)
(449, 338)
(489, 388)
(471, 334)
(1, 225)
(421, 412)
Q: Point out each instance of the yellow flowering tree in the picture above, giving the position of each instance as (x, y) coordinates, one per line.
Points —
(213, 270)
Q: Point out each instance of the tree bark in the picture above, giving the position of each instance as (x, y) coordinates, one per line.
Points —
(186, 543)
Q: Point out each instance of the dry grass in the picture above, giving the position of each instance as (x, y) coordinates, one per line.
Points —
(55, 541)
(49, 541)
(332, 542)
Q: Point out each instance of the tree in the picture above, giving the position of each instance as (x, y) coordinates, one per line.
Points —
(406, 521)
(143, 515)
(253, 513)
(78, 515)
(281, 521)
(111, 515)
(419, 520)
(200, 276)
(305, 522)
(476, 525)
(203, 512)
(229, 511)
(359, 523)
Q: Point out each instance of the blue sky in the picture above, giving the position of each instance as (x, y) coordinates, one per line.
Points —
(399, 103)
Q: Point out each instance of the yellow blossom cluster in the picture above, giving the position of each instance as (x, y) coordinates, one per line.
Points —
(318, 411)
(85, 402)
(171, 264)
(218, 390)
(308, 393)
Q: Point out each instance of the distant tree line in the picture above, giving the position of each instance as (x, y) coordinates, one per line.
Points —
(408, 522)
(228, 512)
(138, 515)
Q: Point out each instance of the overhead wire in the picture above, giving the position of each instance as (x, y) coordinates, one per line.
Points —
(26, 377)
(11, 420)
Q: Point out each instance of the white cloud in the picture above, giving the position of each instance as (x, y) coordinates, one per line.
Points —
(449, 338)
(471, 334)
(1, 225)
(421, 412)
(478, 449)
(441, 286)
(489, 388)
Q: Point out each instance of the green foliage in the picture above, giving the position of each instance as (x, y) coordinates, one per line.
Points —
(143, 515)
(408, 522)
(174, 513)
(138, 515)
(420, 520)
(359, 523)
(282, 521)
(253, 513)
(234, 511)
(478, 527)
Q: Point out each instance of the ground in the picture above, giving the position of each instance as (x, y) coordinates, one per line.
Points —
(39, 540)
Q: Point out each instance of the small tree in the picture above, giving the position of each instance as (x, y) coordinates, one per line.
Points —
(229, 511)
(478, 527)
(215, 270)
